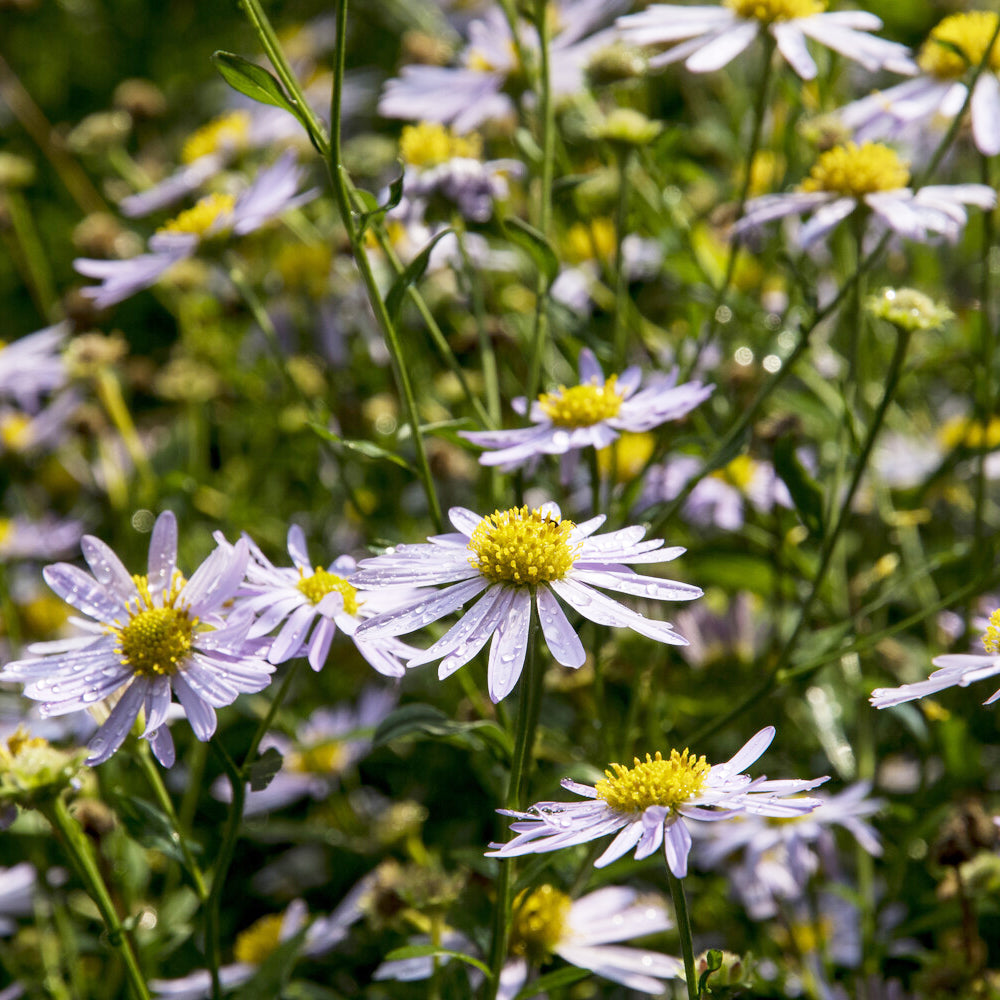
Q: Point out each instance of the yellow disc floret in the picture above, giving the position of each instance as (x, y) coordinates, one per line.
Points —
(539, 923)
(582, 405)
(769, 11)
(259, 940)
(323, 758)
(653, 782)
(740, 472)
(991, 637)
(857, 170)
(522, 547)
(221, 135)
(156, 640)
(209, 213)
(429, 143)
(322, 582)
(958, 44)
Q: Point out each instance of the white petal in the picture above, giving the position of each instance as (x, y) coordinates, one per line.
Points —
(560, 636)
(422, 611)
(199, 713)
(599, 608)
(792, 46)
(298, 549)
(112, 734)
(162, 552)
(750, 751)
(677, 847)
(985, 107)
(509, 646)
(723, 48)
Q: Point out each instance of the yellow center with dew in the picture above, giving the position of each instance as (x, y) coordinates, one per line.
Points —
(958, 44)
(429, 143)
(222, 134)
(539, 923)
(323, 758)
(855, 170)
(522, 546)
(322, 582)
(259, 940)
(156, 640)
(582, 405)
(769, 11)
(653, 782)
(203, 216)
(991, 637)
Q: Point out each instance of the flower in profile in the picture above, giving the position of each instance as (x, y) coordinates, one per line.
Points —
(647, 806)
(517, 556)
(872, 176)
(151, 635)
(591, 414)
(216, 216)
(711, 37)
(32, 366)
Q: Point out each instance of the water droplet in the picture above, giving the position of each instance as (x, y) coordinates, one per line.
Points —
(647, 960)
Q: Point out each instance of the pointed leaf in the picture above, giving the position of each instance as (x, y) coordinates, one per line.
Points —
(805, 491)
(412, 274)
(367, 448)
(535, 244)
(430, 950)
(262, 771)
(553, 981)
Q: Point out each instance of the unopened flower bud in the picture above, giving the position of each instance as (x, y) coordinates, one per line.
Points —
(627, 127)
(909, 309)
(615, 63)
(99, 132)
(140, 99)
(16, 171)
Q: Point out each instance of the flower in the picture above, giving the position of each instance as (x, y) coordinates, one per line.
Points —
(271, 193)
(648, 803)
(592, 413)
(711, 37)
(872, 175)
(514, 556)
(32, 366)
(17, 895)
(151, 635)
(956, 45)
(47, 538)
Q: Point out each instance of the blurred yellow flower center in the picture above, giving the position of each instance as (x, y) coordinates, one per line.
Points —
(259, 940)
(200, 218)
(156, 640)
(429, 143)
(739, 472)
(522, 547)
(321, 583)
(324, 758)
(539, 923)
(223, 134)
(627, 456)
(305, 267)
(6, 527)
(857, 170)
(970, 433)
(959, 43)
(991, 637)
(653, 782)
(15, 431)
(589, 241)
(582, 405)
(775, 10)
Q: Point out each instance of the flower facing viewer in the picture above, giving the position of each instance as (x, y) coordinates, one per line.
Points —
(647, 805)
(517, 556)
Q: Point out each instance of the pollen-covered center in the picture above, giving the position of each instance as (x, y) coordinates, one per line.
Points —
(202, 217)
(653, 782)
(223, 134)
(523, 547)
(775, 10)
(539, 923)
(156, 640)
(857, 170)
(959, 43)
(582, 405)
(323, 759)
(259, 940)
(991, 637)
(428, 144)
(322, 582)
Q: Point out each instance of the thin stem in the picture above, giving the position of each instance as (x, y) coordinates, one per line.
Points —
(620, 335)
(272, 711)
(684, 930)
(109, 391)
(37, 273)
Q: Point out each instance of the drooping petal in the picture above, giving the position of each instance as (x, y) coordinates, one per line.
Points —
(112, 734)
(199, 713)
(677, 847)
(422, 611)
(509, 647)
(560, 636)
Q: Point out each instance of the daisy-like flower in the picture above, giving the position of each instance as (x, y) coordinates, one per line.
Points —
(272, 192)
(48, 538)
(515, 556)
(150, 635)
(708, 38)
(871, 176)
(32, 366)
(952, 49)
(647, 805)
(591, 414)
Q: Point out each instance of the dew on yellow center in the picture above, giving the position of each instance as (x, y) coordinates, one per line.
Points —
(855, 170)
(539, 923)
(959, 43)
(322, 582)
(991, 637)
(739, 472)
(156, 640)
(769, 11)
(323, 758)
(522, 547)
(582, 405)
(227, 132)
(653, 782)
(15, 431)
(202, 217)
(429, 143)
(259, 940)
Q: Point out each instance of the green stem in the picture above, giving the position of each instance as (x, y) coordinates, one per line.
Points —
(36, 265)
(620, 334)
(684, 930)
(81, 854)
(276, 702)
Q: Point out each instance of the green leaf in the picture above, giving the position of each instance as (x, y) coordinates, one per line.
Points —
(256, 83)
(419, 720)
(373, 210)
(367, 448)
(553, 981)
(805, 491)
(713, 961)
(149, 826)
(411, 275)
(262, 771)
(274, 972)
(535, 244)
(431, 950)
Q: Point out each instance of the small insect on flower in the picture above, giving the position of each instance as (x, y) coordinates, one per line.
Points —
(150, 635)
(647, 805)
(515, 556)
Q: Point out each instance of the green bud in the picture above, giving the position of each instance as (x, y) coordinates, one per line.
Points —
(615, 63)
(909, 309)
(627, 127)
(16, 171)
(32, 771)
(99, 132)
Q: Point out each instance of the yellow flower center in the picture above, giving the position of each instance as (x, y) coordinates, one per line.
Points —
(324, 758)
(739, 472)
(768, 11)
(15, 431)
(991, 637)
(227, 132)
(582, 405)
(970, 433)
(539, 923)
(959, 43)
(857, 170)
(259, 940)
(156, 640)
(200, 218)
(6, 527)
(429, 143)
(589, 241)
(627, 456)
(653, 782)
(522, 547)
(305, 267)
(321, 583)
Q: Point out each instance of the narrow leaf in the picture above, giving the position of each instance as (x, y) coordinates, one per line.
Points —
(535, 244)
(413, 273)
(804, 490)
(430, 951)
(367, 448)
(553, 981)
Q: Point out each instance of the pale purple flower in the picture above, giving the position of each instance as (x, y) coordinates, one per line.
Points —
(591, 414)
(47, 538)
(648, 805)
(471, 185)
(32, 366)
(150, 635)
(24, 433)
(509, 560)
